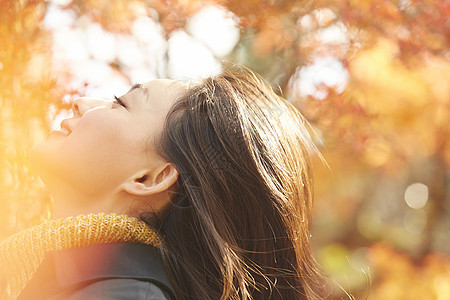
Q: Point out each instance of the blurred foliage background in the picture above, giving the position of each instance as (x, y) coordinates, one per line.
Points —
(372, 77)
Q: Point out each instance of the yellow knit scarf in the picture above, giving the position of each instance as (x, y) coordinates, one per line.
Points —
(22, 253)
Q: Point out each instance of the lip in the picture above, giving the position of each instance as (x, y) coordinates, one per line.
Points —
(58, 133)
(65, 127)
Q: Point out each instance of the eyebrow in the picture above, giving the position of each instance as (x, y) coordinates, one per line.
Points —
(135, 86)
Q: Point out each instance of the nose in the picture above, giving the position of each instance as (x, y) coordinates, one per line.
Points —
(82, 104)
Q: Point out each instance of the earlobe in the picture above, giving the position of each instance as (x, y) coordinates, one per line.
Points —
(151, 182)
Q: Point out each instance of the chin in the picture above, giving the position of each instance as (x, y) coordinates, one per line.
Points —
(44, 159)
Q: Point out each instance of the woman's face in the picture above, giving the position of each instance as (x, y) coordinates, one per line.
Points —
(105, 143)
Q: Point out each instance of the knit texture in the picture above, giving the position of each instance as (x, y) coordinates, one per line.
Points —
(22, 253)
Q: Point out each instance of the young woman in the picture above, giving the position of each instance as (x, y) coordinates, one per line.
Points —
(181, 191)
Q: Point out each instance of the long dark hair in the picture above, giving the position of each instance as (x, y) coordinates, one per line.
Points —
(238, 223)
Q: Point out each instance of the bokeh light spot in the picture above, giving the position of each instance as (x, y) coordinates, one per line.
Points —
(189, 59)
(416, 195)
(216, 28)
(317, 78)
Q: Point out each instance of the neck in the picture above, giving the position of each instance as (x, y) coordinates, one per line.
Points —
(71, 202)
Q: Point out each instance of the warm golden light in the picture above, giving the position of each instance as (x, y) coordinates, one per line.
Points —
(373, 78)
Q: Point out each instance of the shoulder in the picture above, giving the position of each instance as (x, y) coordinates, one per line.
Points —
(116, 289)
(106, 271)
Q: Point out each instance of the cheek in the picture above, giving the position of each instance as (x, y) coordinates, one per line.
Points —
(100, 130)
(104, 142)
(106, 149)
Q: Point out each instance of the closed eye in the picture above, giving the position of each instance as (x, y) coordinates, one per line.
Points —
(118, 101)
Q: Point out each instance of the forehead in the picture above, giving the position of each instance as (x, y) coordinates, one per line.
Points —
(163, 91)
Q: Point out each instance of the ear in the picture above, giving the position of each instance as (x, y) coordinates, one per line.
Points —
(149, 182)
